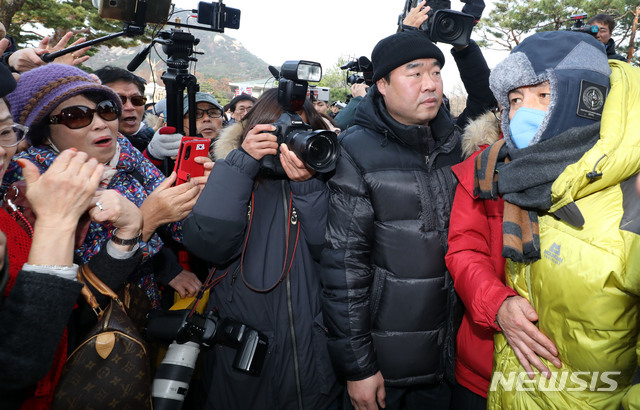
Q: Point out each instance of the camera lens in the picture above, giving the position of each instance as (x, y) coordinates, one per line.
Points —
(449, 28)
(318, 149)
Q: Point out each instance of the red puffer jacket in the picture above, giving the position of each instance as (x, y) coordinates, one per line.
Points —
(476, 264)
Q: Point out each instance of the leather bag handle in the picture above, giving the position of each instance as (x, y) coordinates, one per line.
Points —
(85, 275)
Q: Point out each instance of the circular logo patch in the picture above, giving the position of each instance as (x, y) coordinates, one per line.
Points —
(593, 98)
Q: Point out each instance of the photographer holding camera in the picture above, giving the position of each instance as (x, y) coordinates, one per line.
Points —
(268, 257)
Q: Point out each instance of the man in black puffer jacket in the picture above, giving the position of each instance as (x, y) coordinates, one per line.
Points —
(389, 302)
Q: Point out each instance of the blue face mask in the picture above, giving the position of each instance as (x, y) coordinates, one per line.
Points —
(524, 125)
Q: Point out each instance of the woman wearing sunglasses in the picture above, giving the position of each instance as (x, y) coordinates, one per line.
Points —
(38, 289)
(65, 108)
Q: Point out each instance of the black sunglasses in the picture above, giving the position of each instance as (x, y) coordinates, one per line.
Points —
(137, 100)
(79, 116)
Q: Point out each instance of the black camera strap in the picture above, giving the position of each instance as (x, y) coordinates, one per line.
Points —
(293, 234)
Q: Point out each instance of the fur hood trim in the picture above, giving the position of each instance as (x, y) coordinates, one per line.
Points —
(484, 130)
(227, 141)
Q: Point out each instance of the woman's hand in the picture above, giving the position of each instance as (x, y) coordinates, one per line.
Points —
(122, 213)
(296, 169)
(168, 204)
(64, 192)
(59, 197)
(259, 143)
(75, 58)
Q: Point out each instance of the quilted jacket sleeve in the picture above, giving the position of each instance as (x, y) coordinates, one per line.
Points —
(214, 231)
(346, 273)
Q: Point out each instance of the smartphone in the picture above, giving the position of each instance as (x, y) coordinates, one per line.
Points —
(186, 167)
(125, 10)
(218, 16)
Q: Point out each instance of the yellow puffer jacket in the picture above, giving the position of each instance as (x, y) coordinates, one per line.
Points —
(586, 286)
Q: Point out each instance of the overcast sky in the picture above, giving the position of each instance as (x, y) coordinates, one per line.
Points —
(321, 30)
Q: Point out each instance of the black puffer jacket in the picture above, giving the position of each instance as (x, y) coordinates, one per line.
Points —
(388, 298)
(386, 287)
(297, 371)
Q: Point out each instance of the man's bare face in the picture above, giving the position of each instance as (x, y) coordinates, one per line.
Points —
(414, 93)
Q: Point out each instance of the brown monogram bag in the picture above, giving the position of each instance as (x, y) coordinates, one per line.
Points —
(110, 368)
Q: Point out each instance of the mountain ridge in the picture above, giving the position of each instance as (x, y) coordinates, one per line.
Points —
(223, 60)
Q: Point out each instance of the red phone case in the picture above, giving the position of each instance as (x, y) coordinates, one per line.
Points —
(186, 167)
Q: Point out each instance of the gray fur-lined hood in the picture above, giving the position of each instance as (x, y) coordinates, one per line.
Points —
(484, 130)
(228, 140)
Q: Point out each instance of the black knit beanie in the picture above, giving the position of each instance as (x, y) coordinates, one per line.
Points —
(400, 48)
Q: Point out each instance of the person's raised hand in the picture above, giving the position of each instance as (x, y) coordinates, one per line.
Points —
(75, 58)
(417, 15)
(359, 89)
(108, 205)
(64, 192)
(516, 318)
(168, 204)
(259, 142)
(165, 143)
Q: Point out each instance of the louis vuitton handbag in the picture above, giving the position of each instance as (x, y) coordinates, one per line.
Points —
(110, 368)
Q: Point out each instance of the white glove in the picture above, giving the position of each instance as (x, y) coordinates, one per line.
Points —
(165, 143)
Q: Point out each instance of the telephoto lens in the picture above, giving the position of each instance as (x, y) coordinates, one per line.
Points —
(171, 383)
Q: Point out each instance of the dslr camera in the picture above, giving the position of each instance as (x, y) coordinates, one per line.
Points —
(579, 26)
(318, 149)
(190, 330)
(359, 71)
(449, 26)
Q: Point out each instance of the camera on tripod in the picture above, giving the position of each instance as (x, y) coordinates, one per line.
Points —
(318, 149)
(446, 25)
(359, 71)
(189, 331)
(579, 26)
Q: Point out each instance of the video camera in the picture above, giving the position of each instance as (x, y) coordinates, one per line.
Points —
(579, 26)
(190, 330)
(318, 149)
(446, 25)
(359, 71)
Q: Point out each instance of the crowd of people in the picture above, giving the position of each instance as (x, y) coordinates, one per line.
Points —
(488, 260)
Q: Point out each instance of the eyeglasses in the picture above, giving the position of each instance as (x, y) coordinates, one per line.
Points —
(211, 112)
(79, 116)
(242, 109)
(137, 100)
(12, 135)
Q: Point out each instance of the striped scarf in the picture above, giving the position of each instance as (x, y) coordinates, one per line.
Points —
(523, 178)
(520, 230)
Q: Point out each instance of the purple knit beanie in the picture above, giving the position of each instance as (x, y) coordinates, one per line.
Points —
(42, 89)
